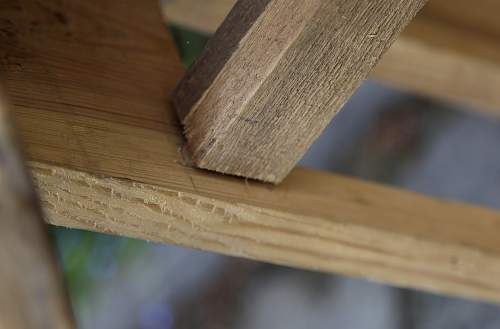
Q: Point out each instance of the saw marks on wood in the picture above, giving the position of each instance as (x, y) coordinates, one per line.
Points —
(275, 74)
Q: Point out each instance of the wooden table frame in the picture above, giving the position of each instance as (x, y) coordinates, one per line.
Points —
(89, 82)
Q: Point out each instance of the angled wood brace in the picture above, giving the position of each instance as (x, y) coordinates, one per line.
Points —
(275, 74)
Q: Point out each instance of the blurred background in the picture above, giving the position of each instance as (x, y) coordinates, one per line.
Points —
(382, 135)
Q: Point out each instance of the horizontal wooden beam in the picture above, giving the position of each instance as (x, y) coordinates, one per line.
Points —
(450, 51)
(106, 156)
(313, 221)
(274, 76)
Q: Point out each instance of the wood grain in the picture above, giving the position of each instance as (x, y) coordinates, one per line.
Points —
(105, 150)
(275, 74)
(111, 60)
(31, 291)
(313, 221)
(449, 51)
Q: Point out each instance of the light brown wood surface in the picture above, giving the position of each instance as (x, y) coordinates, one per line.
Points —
(31, 290)
(275, 74)
(449, 51)
(105, 150)
(203, 16)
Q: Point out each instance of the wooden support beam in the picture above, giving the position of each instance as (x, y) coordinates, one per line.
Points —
(31, 292)
(449, 51)
(106, 157)
(275, 74)
(313, 221)
(203, 16)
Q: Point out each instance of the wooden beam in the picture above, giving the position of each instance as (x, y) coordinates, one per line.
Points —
(275, 74)
(449, 51)
(313, 221)
(106, 157)
(31, 291)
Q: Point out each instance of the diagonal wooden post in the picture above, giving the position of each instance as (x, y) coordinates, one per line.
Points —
(275, 74)
(31, 293)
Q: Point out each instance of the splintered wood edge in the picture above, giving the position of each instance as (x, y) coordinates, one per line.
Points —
(127, 208)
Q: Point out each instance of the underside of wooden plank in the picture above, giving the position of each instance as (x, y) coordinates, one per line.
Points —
(275, 74)
(449, 51)
(106, 152)
(313, 221)
(31, 291)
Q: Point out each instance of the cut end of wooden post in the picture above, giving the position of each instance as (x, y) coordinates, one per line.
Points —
(274, 76)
